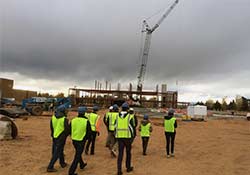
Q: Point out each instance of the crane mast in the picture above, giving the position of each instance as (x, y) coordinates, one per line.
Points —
(146, 46)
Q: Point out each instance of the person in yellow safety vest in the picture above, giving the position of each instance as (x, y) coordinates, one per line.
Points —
(59, 131)
(95, 130)
(135, 120)
(145, 129)
(124, 134)
(105, 118)
(111, 130)
(80, 131)
(170, 126)
(87, 113)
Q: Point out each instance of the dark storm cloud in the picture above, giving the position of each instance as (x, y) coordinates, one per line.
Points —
(94, 39)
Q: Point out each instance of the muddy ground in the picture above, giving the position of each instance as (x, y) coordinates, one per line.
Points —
(215, 147)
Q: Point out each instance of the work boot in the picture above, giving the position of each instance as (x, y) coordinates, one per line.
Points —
(130, 169)
(63, 165)
(51, 170)
(172, 154)
(83, 165)
(168, 156)
(119, 173)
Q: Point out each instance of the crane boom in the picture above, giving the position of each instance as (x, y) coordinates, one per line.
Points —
(146, 46)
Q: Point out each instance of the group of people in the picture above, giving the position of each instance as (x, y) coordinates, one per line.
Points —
(121, 127)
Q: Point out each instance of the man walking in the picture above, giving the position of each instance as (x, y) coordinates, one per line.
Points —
(105, 118)
(135, 121)
(145, 129)
(59, 131)
(80, 131)
(170, 126)
(124, 134)
(94, 123)
(111, 129)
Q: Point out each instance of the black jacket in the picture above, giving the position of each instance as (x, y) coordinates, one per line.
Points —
(66, 131)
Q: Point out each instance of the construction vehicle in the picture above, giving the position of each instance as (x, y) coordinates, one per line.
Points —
(144, 54)
(36, 105)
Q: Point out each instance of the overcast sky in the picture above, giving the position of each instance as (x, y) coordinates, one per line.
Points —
(51, 45)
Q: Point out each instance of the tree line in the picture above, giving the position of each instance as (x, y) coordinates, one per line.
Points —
(238, 104)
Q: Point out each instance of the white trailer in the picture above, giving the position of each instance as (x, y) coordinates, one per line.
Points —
(197, 112)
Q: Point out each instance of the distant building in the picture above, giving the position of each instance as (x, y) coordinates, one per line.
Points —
(7, 91)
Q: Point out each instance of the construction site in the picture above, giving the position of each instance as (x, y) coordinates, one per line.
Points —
(206, 140)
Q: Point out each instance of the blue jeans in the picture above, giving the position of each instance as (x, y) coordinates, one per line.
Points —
(57, 152)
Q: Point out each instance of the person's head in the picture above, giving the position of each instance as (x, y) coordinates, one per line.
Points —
(131, 110)
(125, 106)
(171, 112)
(95, 108)
(82, 110)
(145, 117)
(110, 108)
(60, 111)
(115, 108)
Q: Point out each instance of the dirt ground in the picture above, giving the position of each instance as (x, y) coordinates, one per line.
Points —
(215, 147)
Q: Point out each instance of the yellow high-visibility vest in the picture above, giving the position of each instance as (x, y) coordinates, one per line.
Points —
(122, 127)
(93, 117)
(107, 116)
(58, 126)
(145, 130)
(78, 128)
(169, 125)
(112, 119)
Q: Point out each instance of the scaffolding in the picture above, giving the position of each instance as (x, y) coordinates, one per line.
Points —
(107, 97)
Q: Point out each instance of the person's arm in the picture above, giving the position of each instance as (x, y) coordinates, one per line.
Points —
(88, 130)
(136, 121)
(105, 118)
(66, 127)
(51, 129)
(70, 128)
(132, 127)
(175, 124)
(151, 128)
(107, 121)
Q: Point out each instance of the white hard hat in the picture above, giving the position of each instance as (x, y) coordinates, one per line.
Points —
(131, 109)
(111, 108)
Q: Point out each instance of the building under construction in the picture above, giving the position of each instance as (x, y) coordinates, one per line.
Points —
(106, 96)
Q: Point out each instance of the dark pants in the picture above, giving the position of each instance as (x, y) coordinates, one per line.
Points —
(79, 147)
(92, 142)
(124, 143)
(112, 139)
(144, 144)
(170, 137)
(57, 152)
(108, 141)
